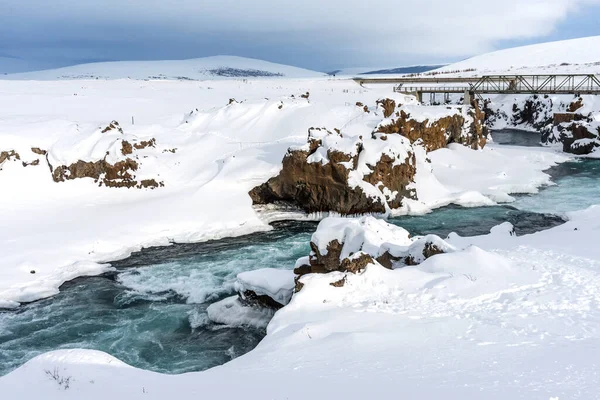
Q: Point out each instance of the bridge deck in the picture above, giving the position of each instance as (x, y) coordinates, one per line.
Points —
(495, 84)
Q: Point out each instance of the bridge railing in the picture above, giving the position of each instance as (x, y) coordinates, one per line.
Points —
(540, 84)
(430, 89)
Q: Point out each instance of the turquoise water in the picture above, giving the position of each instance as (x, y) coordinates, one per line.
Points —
(151, 313)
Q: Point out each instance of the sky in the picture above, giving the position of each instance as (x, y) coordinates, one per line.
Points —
(323, 35)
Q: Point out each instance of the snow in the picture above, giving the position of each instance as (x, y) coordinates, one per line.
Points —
(230, 312)
(506, 317)
(497, 317)
(216, 67)
(64, 230)
(278, 284)
(366, 234)
(565, 56)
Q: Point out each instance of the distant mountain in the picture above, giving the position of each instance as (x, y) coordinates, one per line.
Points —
(10, 65)
(414, 69)
(218, 67)
(575, 55)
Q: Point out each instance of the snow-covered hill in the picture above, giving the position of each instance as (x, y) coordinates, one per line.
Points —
(575, 55)
(394, 70)
(218, 67)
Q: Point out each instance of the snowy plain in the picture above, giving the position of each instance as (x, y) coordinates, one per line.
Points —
(504, 318)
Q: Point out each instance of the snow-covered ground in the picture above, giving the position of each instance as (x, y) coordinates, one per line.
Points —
(503, 317)
(208, 154)
(508, 318)
(566, 56)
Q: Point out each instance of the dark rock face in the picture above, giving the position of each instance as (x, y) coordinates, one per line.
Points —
(329, 262)
(439, 133)
(317, 187)
(429, 250)
(251, 299)
(578, 138)
(535, 112)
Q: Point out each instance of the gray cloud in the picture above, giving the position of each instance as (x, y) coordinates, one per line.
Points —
(316, 34)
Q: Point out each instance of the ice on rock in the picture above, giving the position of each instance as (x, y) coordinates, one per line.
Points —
(231, 312)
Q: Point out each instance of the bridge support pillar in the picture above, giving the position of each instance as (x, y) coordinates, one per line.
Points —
(467, 98)
(419, 96)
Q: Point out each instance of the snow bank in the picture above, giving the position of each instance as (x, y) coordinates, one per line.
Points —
(565, 56)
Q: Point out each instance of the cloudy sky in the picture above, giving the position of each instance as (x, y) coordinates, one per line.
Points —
(317, 34)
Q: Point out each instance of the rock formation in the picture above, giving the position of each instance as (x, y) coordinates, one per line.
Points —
(350, 245)
(369, 173)
(439, 133)
(116, 174)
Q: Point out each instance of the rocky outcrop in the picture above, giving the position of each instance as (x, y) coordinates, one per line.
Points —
(318, 177)
(9, 155)
(116, 174)
(439, 133)
(372, 173)
(579, 137)
(351, 245)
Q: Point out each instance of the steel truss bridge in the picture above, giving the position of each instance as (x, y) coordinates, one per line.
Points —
(574, 84)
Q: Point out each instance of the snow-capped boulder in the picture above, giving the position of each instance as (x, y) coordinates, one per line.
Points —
(351, 244)
(372, 173)
(581, 136)
(260, 293)
(267, 287)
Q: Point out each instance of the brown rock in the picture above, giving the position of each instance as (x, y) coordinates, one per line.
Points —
(387, 260)
(575, 105)
(316, 187)
(388, 105)
(126, 148)
(33, 163)
(114, 125)
(8, 155)
(145, 143)
(438, 134)
(431, 250)
(329, 262)
(39, 151)
(394, 177)
(339, 283)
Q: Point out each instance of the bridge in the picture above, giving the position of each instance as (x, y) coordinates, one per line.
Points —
(573, 84)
